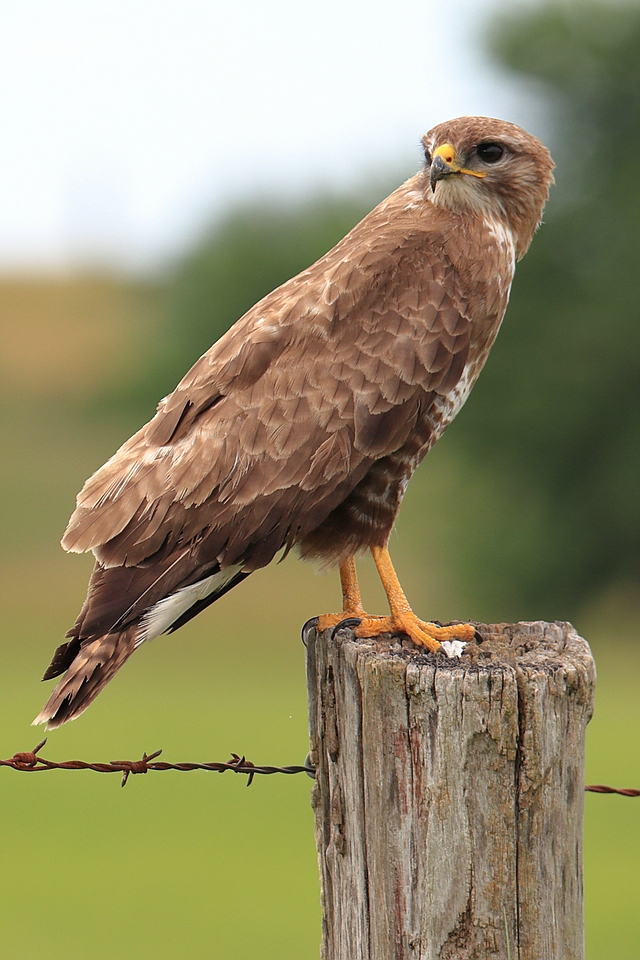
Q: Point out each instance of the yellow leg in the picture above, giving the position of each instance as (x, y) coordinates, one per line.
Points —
(351, 598)
(403, 619)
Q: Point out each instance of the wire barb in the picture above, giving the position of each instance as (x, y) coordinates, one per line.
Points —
(28, 760)
(31, 762)
(134, 766)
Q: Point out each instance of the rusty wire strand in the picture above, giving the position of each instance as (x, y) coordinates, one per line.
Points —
(31, 762)
(600, 788)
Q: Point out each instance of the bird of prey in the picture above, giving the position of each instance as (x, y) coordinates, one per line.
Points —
(303, 424)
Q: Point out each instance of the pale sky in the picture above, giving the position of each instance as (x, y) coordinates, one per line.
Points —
(127, 125)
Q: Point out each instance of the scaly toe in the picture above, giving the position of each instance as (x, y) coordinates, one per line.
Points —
(327, 621)
(457, 631)
(429, 635)
(406, 623)
(331, 621)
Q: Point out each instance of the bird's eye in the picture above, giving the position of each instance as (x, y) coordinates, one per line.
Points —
(427, 154)
(489, 152)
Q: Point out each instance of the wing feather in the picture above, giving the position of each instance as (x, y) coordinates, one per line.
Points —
(279, 421)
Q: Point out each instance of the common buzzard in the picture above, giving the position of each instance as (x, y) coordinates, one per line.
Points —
(303, 424)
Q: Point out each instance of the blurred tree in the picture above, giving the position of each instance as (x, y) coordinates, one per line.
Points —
(253, 250)
(557, 411)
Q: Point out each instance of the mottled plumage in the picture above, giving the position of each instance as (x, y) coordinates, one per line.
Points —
(303, 424)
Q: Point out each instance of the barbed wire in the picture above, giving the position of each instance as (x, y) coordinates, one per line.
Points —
(31, 762)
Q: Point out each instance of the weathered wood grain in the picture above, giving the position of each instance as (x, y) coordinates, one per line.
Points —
(449, 794)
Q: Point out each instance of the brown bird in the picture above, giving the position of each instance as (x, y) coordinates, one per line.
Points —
(303, 424)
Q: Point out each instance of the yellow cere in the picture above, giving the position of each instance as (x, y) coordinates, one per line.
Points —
(445, 151)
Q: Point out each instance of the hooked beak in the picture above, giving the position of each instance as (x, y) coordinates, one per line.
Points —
(444, 165)
(439, 170)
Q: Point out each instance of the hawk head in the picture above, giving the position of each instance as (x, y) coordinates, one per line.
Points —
(490, 169)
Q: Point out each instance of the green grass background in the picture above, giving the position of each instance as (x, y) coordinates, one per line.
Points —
(196, 865)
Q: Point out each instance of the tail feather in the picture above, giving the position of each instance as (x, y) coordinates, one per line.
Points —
(62, 659)
(94, 665)
(91, 663)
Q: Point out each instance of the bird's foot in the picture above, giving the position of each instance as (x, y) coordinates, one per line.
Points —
(449, 639)
(348, 618)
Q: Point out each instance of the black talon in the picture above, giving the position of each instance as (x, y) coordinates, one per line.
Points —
(310, 624)
(477, 636)
(350, 622)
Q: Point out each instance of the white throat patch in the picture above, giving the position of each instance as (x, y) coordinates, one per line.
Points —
(461, 193)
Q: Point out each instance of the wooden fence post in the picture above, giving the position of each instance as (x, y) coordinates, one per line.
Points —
(449, 794)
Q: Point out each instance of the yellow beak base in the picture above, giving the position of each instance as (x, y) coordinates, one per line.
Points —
(447, 154)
